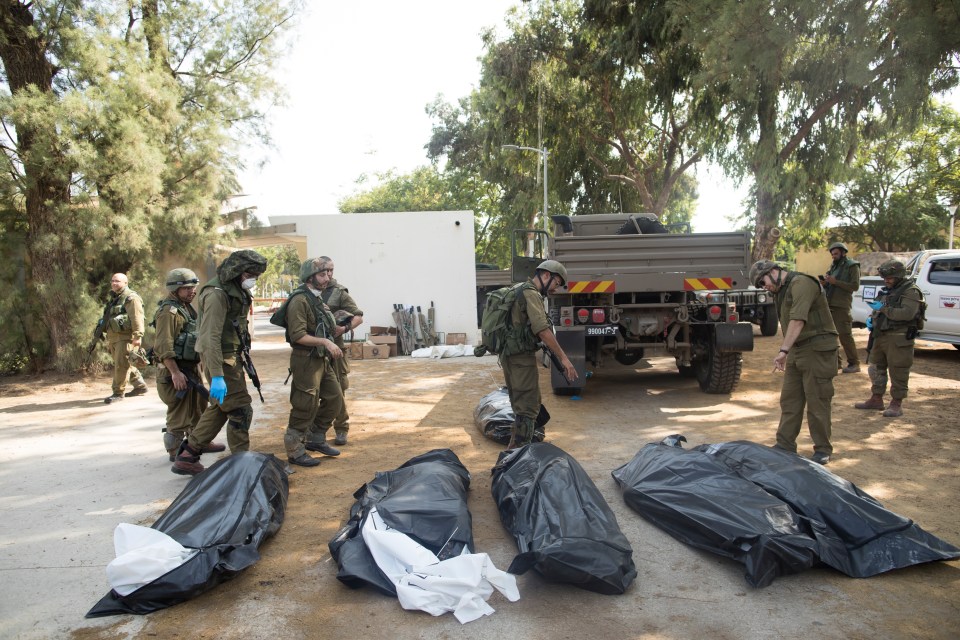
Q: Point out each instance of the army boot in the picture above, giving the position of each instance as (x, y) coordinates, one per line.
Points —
(895, 410)
(322, 447)
(213, 447)
(875, 402)
(187, 462)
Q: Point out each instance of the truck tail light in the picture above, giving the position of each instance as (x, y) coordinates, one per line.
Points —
(599, 316)
(733, 317)
(714, 312)
(583, 315)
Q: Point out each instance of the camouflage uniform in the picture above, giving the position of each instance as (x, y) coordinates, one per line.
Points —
(893, 324)
(173, 318)
(811, 364)
(338, 298)
(124, 324)
(520, 370)
(840, 299)
(314, 377)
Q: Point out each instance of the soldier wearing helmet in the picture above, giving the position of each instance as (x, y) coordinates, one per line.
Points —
(807, 356)
(178, 363)
(124, 331)
(520, 371)
(895, 321)
(342, 304)
(310, 330)
(225, 303)
(840, 283)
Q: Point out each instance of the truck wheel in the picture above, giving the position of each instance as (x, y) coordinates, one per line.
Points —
(718, 372)
(769, 323)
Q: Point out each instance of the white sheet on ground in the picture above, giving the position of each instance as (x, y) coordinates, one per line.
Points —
(443, 351)
(143, 555)
(424, 582)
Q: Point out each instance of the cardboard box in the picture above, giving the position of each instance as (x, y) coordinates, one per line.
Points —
(387, 341)
(376, 351)
(354, 350)
(383, 331)
(456, 338)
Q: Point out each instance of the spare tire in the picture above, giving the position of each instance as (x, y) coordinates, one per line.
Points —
(646, 226)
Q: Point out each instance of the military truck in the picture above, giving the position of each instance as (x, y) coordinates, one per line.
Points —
(632, 296)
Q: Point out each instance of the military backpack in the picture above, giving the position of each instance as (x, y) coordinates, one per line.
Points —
(498, 334)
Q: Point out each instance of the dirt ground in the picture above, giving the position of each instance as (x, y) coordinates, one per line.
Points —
(402, 407)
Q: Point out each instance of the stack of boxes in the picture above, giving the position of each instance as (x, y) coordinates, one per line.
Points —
(381, 343)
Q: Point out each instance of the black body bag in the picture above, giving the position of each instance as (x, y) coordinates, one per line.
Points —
(226, 512)
(562, 525)
(494, 417)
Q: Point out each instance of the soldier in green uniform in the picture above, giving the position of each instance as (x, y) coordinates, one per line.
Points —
(310, 330)
(896, 317)
(342, 304)
(178, 363)
(124, 314)
(225, 303)
(807, 356)
(840, 283)
(530, 325)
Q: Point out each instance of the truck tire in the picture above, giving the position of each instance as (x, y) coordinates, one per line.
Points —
(718, 372)
(769, 323)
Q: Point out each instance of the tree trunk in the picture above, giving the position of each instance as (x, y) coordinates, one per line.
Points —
(49, 264)
(766, 171)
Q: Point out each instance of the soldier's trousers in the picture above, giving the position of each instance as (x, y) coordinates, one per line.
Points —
(522, 376)
(328, 414)
(808, 383)
(892, 354)
(182, 413)
(313, 383)
(122, 369)
(236, 409)
(844, 322)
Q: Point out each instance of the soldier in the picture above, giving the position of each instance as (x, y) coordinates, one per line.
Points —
(840, 283)
(341, 303)
(124, 314)
(897, 314)
(807, 356)
(178, 363)
(520, 371)
(310, 330)
(225, 303)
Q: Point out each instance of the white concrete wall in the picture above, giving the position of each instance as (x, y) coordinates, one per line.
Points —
(408, 258)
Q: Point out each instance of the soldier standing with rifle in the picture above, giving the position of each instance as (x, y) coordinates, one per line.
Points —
(839, 285)
(310, 330)
(341, 304)
(178, 363)
(123, 317)
(225, 303)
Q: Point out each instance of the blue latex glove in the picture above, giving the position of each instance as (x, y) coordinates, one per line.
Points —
(218, 388)
(876, 304)
(869, 322)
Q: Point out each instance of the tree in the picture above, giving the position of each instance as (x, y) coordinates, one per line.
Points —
(122, 122)
(891, 198)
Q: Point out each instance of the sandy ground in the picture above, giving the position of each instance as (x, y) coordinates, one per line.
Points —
(72, 468)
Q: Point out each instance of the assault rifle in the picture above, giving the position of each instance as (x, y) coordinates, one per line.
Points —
(99, 329)
(556, 362)
(243, 356)
(196, 385)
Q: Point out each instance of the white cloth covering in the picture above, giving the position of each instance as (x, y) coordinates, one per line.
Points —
(443, 351)
(461, 584)
(143, 555)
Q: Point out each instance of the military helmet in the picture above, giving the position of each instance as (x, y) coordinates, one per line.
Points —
(759, 269)
(554, 267)
(138, 358)
(181, 277)
(238, 262)
(311, 267)
(892, 269)
(838, 245)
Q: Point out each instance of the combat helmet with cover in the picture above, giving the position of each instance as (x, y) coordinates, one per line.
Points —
(759, 269)
(310, 267)
(238, 262)
(892, 269)
(554, 267)
(838, 245)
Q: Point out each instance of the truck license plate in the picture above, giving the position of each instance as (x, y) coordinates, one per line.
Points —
(608, 330)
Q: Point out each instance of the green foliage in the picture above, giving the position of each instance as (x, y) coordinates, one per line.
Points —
(122, 125)
(891, 199)
(283, 270)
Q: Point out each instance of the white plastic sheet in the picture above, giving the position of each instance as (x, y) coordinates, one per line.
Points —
(143, 555)
(443, 351)
(424, 582)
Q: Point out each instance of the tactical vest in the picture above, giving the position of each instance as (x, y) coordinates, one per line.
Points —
(893, 298)
(185, 344)
(837, 296)
(819, 321)
(325, 322)
(239, 310)
(116, 312)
